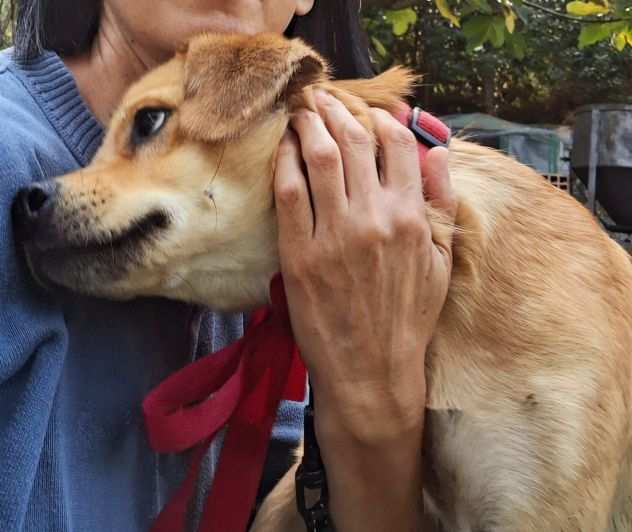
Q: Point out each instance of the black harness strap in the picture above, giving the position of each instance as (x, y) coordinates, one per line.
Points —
(312, 495)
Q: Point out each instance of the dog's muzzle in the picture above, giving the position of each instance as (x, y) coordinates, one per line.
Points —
(33, 213)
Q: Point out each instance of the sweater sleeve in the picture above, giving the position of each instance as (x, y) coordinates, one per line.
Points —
(28, 318)
(33, 338)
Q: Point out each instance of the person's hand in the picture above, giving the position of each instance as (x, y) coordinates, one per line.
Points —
(365, 284)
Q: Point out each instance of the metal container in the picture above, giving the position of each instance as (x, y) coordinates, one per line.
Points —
(603, 133)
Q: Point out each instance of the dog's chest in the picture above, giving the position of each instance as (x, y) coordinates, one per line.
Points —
(469, 478)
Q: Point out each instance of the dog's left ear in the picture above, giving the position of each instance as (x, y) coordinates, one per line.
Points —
(231, 80)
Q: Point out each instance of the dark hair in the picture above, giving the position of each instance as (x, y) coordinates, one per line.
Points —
(333, 28)
(68, 28)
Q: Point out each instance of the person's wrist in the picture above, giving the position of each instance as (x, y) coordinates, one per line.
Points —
(375, 467)
(369, 415)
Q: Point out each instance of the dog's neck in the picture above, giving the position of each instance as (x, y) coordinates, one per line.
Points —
(229, 282)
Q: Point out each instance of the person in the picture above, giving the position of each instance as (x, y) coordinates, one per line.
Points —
(74, 370)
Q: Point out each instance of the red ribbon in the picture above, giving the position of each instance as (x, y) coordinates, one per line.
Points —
(240, 386)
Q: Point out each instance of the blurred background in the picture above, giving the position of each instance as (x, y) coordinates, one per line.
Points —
(522, 61)
(547, 81)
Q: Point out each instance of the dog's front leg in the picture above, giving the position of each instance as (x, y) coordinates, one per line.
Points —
(278, 512)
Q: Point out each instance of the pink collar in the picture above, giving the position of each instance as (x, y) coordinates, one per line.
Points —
(428, 129)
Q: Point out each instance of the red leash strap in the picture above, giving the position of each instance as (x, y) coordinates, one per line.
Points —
(240, 386)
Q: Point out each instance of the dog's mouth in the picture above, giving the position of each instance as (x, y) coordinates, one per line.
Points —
(94, 264)
(136, 231)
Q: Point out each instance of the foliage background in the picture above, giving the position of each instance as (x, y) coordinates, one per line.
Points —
(471, 62)
(550, 77)
(5, 23)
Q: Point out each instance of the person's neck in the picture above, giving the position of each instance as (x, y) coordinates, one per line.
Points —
(112, 64)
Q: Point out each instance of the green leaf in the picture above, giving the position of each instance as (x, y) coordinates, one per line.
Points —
(510, 20)
(522, 12)
(619, 41)
(622, 38)
(595, 32)
(467, 10)
(582, 9)
(401, 19)
(446, 12)
(497, 35)
(379, 47)
(477, 30)
(478, 5)
(517, 45)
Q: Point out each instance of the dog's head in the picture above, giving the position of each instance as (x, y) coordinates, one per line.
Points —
(178, 201)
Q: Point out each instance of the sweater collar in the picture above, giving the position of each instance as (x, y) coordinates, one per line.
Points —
(53, 86)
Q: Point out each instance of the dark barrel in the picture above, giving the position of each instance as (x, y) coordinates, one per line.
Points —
(614, 157)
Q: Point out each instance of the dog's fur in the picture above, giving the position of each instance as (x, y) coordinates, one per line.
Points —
(529, 373)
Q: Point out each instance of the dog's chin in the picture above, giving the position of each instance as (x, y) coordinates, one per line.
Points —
(91, 273)
(98, 267)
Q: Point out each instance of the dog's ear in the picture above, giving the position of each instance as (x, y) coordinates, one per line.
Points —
(230, 80)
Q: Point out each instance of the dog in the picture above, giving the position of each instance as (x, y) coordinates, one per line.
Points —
(529, 373)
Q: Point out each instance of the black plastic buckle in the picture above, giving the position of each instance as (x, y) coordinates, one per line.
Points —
(312, 495)
(423, 135)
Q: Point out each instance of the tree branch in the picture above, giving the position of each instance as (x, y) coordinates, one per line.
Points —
(581, 20)
(388, 4)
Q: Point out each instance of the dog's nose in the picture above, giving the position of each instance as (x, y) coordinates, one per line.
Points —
(33, 209)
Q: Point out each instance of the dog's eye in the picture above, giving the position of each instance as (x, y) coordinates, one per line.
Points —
(148, 122)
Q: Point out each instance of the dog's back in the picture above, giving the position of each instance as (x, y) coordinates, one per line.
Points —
(529, 374)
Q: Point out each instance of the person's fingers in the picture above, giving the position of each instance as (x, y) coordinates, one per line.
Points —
(440, 195)
(291, 194)
(436, 182)
(324, 168)
(400, 159)
(355, 143)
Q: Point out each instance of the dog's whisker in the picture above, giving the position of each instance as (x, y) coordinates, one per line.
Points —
(216, 214)
(219, 162)
(192, 290)
(112, 252)
(219, 165)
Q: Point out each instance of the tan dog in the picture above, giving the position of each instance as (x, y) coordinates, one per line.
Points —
(529, 373)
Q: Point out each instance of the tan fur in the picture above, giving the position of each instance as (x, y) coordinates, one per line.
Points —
(529, 373)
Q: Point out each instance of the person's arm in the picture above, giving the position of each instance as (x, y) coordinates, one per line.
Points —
(33, 339)
(365, 285)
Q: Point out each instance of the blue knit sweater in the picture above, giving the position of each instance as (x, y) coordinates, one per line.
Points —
(74, 370)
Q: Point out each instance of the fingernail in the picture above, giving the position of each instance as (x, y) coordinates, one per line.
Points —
(439, 160)
(439, 152)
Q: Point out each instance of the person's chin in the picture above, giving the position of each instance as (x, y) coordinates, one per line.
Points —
(218, 22)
